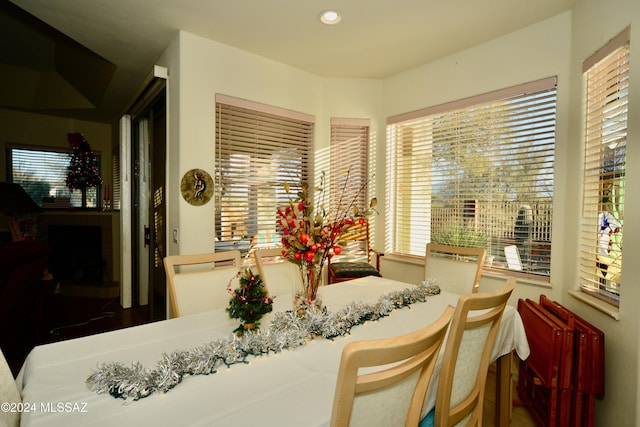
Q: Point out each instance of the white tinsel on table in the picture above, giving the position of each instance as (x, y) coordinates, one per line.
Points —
(287, 331)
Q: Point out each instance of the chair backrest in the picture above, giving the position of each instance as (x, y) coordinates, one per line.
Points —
(457, 268)
(8, 394)
(199, 282)
(388, 395)
(467, 355)
(355, 243)
(279, 275)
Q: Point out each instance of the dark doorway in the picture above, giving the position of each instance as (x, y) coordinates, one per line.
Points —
(149, 207)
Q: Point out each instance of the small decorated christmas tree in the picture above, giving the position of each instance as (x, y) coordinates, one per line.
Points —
(83, 170)
(249, 302)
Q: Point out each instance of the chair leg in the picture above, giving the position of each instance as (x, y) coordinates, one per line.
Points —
(504, 391)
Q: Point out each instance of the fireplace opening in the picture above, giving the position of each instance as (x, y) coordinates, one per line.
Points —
(76, 253)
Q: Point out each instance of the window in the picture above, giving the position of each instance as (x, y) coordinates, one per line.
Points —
(349, 177)
(42, 172)
(115, 176)
(606, 76)
(476, 172)
(258, 149)
(349, 165)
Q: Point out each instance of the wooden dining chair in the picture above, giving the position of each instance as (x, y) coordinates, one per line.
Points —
(356, 260)
(199, 282)
(9, 394)
(466, 358)
(278, 274)
(458, 269)
(393, 393)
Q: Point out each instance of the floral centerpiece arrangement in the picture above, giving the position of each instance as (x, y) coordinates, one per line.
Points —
(249, 301)
(311, 235)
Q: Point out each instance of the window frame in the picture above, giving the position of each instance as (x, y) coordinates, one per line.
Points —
(427, 136)
(94, 194)
(605, 92)
(350, 172)
(252, 133)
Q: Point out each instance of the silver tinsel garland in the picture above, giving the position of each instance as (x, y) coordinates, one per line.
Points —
(287, 331)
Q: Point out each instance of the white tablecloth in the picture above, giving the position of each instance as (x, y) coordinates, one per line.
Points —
(292, 388)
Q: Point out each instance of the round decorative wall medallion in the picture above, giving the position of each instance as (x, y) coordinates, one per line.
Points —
(197, 187)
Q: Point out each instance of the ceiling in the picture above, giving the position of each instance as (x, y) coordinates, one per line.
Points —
(118, 41)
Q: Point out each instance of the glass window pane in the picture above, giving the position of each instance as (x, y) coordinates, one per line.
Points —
(43, 174)
(479, 175)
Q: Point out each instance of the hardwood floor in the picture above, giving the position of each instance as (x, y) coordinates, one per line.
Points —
(72, 312)
(520, 416)
(77, 316)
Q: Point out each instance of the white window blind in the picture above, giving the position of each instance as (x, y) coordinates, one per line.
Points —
(476, 172)
(606, 76)
(349, 163)
(42, 172)
(115, 174)
(258, 149)
(349, 177)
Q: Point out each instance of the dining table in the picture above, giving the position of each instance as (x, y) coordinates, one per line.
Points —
(292, 387)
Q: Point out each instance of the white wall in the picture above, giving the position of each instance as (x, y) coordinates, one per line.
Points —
(555, 47)
(350, 98)
(532, 53)
(594, 23)
(200, 68)
(50, 131)
(41, 130)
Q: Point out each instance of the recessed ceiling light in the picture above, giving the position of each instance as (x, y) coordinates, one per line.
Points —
(330, 17)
